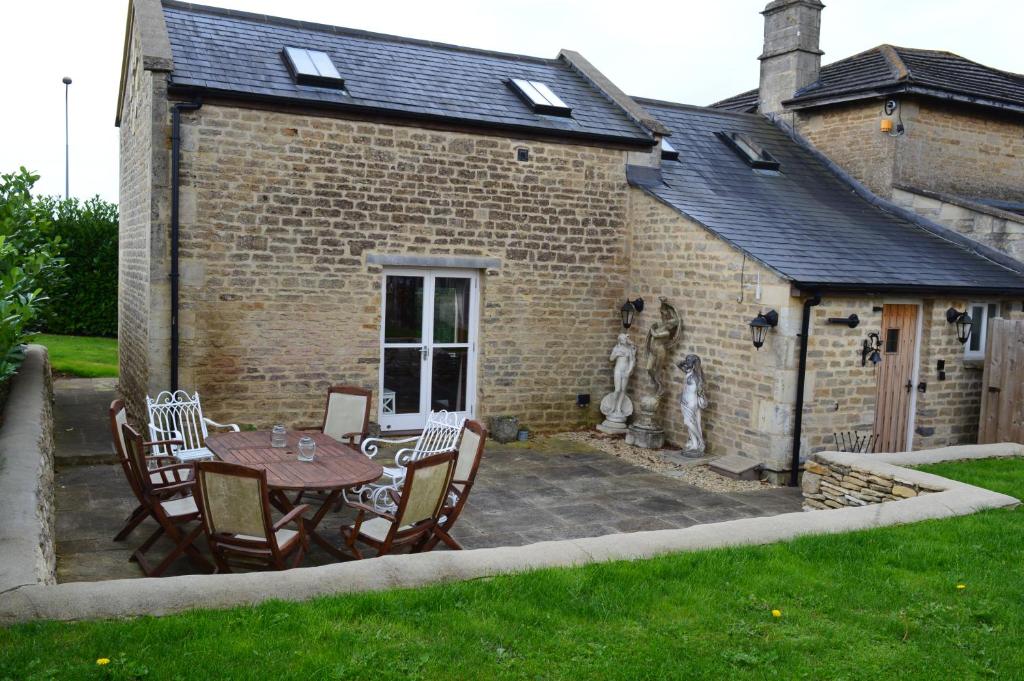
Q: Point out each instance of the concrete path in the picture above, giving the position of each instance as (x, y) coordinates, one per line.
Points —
(81, 430)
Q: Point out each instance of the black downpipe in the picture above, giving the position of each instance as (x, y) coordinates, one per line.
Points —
(175, 182)
(801, 376)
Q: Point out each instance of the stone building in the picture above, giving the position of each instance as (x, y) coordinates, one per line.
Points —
(304, 205)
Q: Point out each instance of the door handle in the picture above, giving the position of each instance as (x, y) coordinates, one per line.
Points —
(909, 386)
(424, 352)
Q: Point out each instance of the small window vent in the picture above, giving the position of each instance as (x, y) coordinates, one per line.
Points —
(540, 97)
(750, 151)
(311, 67)
(668, 152)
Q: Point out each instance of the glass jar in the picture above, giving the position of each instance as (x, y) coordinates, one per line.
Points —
(307, 448)
(278, 437)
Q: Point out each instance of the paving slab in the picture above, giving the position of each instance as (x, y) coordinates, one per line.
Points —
(81, 430)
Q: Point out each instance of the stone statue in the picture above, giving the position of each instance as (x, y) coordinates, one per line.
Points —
(661, 337)
(693, 401)
(616, 405)
(645, 430)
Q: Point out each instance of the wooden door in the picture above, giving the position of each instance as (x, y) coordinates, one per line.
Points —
(895, 377)
(1002, 385)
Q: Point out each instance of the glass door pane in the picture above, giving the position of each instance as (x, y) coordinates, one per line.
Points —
(403, 369)
(403, 309)
(448, 380)
(451, 310)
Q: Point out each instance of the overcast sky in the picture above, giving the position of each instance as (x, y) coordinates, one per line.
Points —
(678, 50)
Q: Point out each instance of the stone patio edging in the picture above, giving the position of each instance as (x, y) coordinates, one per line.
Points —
(26, 477)
(134, 597)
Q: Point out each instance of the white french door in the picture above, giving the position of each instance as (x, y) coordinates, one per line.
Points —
(428, 345)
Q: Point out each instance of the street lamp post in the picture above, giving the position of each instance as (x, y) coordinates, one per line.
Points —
(67, 185)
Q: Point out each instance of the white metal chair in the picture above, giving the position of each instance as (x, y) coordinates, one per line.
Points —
(440, 434)
(179, 416)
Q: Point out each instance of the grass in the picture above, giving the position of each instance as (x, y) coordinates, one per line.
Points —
(86, 356)
(868, 605)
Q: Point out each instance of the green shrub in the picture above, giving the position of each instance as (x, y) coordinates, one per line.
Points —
(28, 260)
(83, 300)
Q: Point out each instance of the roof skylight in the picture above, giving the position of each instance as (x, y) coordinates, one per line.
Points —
(750, 151)
(668, 152)
(311, 67)
(540, 97)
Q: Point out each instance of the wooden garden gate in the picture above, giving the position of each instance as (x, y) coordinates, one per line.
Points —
(1002, 386)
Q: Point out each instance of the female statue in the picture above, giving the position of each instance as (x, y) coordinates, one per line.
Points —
(660, 339)
(692, 401)
(624, 356)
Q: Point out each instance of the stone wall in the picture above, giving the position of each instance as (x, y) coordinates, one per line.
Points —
(281, 210)
(849, 135)
(960, 150)
(26, 476)
(143, 288)
(714, 289)
(999, 229)
(827, 484)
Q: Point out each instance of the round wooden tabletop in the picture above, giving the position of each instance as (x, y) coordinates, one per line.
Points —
(335, 465)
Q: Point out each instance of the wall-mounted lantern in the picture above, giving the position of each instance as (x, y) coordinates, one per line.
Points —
(871, 350)
(963, 323)
(760, 324)
(852, 321)
(629, 310)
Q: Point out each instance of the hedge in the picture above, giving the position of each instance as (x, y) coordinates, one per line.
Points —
(83, 300)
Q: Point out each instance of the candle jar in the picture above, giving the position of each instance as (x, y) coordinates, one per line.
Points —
(278, 437)
(307, 448)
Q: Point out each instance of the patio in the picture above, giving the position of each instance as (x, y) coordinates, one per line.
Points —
(545, 490)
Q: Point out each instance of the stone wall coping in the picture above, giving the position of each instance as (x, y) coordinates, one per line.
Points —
(26, 466)
(134, 597)
(416, 260)
(962, 202)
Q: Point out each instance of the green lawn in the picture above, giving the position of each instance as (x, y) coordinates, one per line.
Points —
(879, 604)
(85, 356)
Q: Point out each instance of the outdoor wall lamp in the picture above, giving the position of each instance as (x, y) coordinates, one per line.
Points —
(852, 321)
(629, 310)
(871, 349)
(760, 324)
(963, 323)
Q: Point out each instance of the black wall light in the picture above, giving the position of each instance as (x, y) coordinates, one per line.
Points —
(852, 321)
(871, 349)
(629, 310)
(760, 324)
(963, 323)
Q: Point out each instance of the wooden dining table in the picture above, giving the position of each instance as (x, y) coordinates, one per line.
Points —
(335, 467)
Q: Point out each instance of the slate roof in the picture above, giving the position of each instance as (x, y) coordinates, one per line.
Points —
(238, 54)
(888, 69)
(805, 222)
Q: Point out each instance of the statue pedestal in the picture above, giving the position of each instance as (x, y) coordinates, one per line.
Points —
(614, 424)
(647, 438)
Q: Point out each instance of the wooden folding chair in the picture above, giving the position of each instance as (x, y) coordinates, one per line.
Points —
(418, 507)
(118, 418)
(467, 462)
(347, 414)
(165, 503)
(234, 502)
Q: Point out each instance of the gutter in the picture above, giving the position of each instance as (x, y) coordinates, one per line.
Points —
(801, 380)
(176, 228)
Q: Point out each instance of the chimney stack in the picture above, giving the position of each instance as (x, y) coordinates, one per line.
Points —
(791, 58)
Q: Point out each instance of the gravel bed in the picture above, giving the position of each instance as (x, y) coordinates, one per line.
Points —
(698, 475)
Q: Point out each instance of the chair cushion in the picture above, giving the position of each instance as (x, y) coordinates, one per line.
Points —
(284, 537)
(193, 454)
(377, 528)
(179, 507)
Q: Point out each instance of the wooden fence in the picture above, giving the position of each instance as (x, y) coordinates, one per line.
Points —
(1002, 387)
